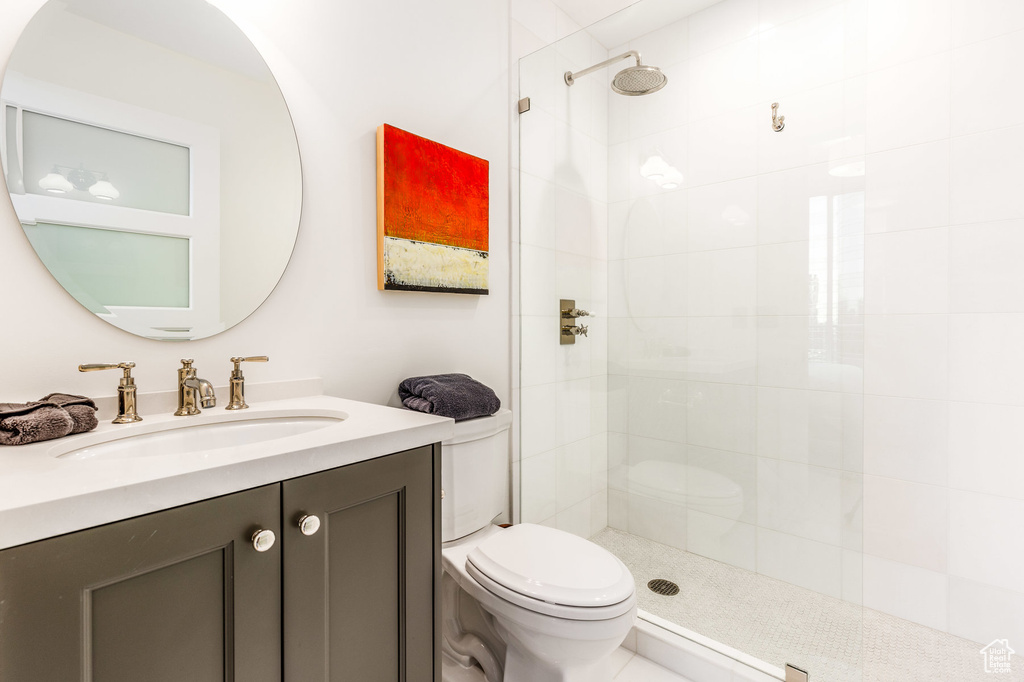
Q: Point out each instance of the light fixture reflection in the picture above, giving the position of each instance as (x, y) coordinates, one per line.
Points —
(661, 172)
(82, 179)
(55, 183)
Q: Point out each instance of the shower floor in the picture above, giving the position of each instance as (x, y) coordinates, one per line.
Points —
(780, 623)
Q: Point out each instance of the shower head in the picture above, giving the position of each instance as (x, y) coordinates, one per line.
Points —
(633, 81)
(639, 80)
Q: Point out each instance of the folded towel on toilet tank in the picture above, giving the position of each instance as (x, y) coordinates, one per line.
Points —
(458, 396)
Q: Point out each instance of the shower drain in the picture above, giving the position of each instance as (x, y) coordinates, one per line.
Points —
(664, 587)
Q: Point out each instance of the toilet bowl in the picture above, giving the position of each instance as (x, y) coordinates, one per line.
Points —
(526, 603)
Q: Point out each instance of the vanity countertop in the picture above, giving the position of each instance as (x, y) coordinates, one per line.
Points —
(43, 495)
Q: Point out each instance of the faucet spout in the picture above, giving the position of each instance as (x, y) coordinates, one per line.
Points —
(193, 391)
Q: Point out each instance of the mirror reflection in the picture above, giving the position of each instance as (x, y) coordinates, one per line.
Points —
(151, 161)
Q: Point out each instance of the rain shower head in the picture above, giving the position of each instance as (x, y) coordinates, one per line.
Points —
(632, 81)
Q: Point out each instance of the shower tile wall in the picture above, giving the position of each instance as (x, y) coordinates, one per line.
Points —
(563, 254)
(815, 364)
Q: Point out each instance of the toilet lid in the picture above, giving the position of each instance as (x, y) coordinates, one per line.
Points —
(553, 566)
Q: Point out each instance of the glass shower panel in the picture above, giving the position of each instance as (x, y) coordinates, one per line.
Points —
(728, 262)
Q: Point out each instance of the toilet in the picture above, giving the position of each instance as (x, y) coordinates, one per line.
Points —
(526, 603)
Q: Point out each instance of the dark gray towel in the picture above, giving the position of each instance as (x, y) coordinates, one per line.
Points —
(448, 395)
(23, 423)
(81, 409)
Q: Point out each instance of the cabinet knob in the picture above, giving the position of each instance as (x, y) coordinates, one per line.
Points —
(262, 540)
(309, 524)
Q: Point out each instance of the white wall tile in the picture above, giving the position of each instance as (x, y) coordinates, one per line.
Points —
(975, 20)
(723, 147)
(573, 474)
(906, 355)
(655, 348)
(722, 539)
(722, 484)
(539, 494)
(906, 439)
(982, 613)
(906, 591)
(784, 279)
(987, 170)
(538, 431)
(985, 544)
(572, 222)
(668, 108)
(802, 426)
(985, 362)
(665, 46)
(907, 272)
(572, 410)
(802, 562)
(722, 416)
(657, 408)
(655, 287)
(721, 283)
(736, 64)
(658, 520)
(800, 500)
(909, 104)
(907, 188)
(537, 133)
(783, 63)
(901, 30)
(985, 443)
(722, 23)
(788, 200)
(575, 519)
(985, 273)
(977, 79)
(906, 522)
(785, 358)
(540, 350)
(722, 215)
(720, 349)
(537, 281)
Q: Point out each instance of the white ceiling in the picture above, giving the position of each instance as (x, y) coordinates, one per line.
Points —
(614, 22)
(191, 27)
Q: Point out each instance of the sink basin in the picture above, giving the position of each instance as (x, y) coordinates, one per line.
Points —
(171, 438)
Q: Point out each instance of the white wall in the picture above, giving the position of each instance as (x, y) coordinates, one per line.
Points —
(438, 69)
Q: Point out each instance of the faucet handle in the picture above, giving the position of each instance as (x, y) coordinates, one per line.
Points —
(187, 363)
(126, 407)
(237, 401)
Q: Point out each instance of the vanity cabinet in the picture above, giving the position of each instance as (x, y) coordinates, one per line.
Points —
(183, 594)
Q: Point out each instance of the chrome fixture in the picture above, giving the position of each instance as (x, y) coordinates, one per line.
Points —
(309, 524)
(263, 540)
(192, 390)
(237, 400)
(63, 179)
(633, 81)
(778, 122)
(568, 329)
(126, 410)
(524, 105)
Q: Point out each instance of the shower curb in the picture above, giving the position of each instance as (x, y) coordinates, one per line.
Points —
(694, 656)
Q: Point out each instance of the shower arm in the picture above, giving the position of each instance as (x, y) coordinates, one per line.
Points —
(571, 77)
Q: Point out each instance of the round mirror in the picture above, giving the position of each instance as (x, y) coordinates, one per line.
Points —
(151, 161)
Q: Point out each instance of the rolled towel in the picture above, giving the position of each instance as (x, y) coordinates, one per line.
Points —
(81, 409)
(458, 396)
(23, 423)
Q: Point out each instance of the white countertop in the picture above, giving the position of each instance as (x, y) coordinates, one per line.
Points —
(42, 495)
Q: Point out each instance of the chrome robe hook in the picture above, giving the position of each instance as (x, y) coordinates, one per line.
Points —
(778, 122)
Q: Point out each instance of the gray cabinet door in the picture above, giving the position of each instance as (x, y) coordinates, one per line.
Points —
(172, 596)
(359, 594)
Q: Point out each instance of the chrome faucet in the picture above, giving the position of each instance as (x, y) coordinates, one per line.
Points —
(192, 390)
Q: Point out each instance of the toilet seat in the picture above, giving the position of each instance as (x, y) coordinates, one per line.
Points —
(552, 572)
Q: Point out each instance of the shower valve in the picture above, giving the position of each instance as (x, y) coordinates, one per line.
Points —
(574, 330)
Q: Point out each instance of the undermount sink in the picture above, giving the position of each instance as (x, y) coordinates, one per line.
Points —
(179, 437)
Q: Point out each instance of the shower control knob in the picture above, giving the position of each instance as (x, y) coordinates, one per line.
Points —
(583, 330)
(262, 540)
(309, 524)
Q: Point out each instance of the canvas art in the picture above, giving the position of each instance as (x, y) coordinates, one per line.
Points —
(432, 211)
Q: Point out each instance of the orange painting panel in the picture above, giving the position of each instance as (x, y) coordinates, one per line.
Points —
(431, 193)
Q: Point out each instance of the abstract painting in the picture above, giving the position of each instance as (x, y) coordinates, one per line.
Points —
(432, 210)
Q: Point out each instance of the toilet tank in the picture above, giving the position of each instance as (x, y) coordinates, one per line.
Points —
(474, 474)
